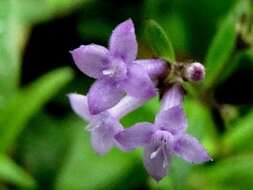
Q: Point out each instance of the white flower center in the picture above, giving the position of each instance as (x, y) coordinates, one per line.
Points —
(116, 69)
(108, 72)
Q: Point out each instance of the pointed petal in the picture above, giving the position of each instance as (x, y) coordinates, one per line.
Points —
(138, 135)
(91, 59)
(123, 41)
(189, 148)
(102, 136)
(138, 83)
(173, 97)
(154, 67)
(173, 120)
(103, 94)
(79, 104)
(157, 167)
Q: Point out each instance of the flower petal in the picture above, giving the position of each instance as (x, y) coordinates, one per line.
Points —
(102, 136)
(173, 97)
(172, 120)
(154, 67)
(138, 135)
(157, 167)
(189, 148)
(79, 104)
(138, 84)
(91, 59)
(103, 94)
(123, 41)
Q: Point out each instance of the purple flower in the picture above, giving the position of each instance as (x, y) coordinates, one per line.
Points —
(104, 125)
(167, 136)
(195, 72)
(116, 70)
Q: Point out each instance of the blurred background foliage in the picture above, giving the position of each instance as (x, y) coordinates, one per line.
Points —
(43, 144)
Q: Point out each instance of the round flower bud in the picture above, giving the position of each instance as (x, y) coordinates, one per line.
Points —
(195, 72)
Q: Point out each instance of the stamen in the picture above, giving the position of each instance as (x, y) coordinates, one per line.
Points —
(108, 71)
(165, 158)
(155, 153)
(165, 163)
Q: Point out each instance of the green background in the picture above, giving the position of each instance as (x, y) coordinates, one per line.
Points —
(43, 144)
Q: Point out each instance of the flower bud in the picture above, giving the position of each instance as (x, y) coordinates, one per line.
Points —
(194, 72)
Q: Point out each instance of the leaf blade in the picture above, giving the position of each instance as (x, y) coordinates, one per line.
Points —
(158, 40)
(28, 102)
(220, 50)
(12, 173)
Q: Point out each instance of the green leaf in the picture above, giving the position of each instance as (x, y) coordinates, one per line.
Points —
(220, 50)
(84, 169)
(158, 40)
(220, 56)
(239, 138)
(27, 102)
(12, 173)
(10, 37)
(14, 26)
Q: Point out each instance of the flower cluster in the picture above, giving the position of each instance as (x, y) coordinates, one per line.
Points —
(124, 84)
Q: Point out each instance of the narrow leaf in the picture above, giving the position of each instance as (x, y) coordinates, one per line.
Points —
(12, 173)
(11, 36)
(158, 40)
(219, 61)
(22, 107)
(220, 50)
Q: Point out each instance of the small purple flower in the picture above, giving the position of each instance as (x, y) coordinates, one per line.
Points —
(195, 72)
(104, 125)
(167, 136)
(116, 70)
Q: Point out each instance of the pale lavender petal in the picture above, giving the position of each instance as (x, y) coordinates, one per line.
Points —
(79, 104)
(154, 67)
(125, 106)
(173, 97)
(101, 141)
(172, 120)
(158, 166)
(91, 59)
(123, 41)
(102, 135)
(138, 84)
(104, 94)
(138, 135)
(189, 148)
